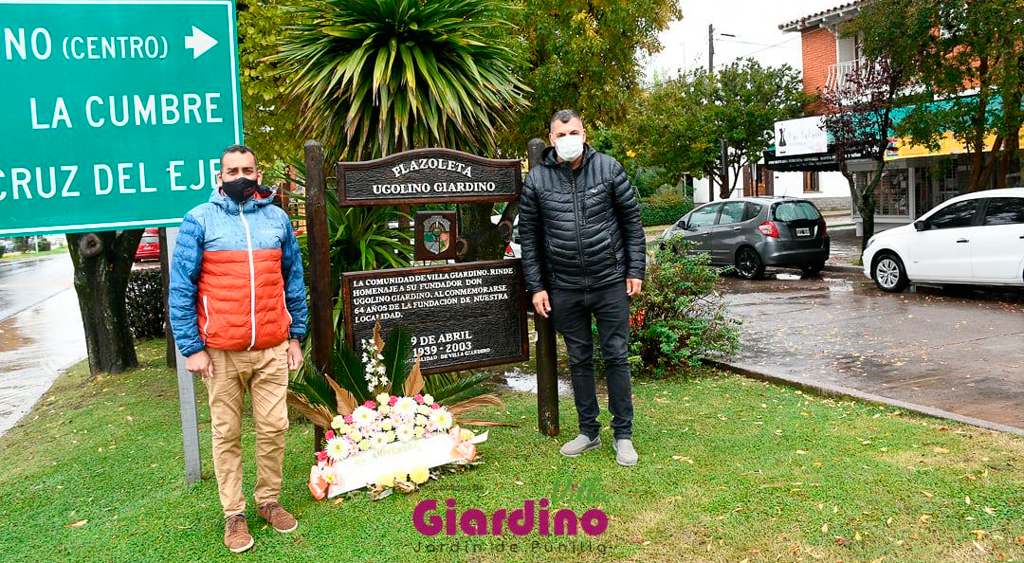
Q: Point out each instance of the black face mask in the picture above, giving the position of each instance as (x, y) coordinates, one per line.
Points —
(240, 189)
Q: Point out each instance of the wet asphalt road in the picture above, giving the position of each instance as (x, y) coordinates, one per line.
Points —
(40, 331)
(959, 350)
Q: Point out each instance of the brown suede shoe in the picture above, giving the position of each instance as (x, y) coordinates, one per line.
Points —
(278, 517)
(236, 534)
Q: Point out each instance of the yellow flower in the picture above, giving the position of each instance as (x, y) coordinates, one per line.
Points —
(338, 422)
(418, 432)
(387, 424)
(355, 436)
(402, 475)
(630, 154)
(385, 480)
(364, 445)
(419, 474)
(467, 434)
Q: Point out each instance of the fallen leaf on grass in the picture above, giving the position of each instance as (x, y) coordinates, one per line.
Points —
(824, 528)
(78, 524)
(978, 545)
(925, 518)
(967, 500)
(927, 494)
(940, 450)
(990, 511)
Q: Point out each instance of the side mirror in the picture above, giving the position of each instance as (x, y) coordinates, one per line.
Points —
(920, 226)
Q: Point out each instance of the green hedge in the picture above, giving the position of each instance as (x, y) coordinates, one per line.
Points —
(651, 215)
(145, 298)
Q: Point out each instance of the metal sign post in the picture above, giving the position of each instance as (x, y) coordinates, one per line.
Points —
(186, 399)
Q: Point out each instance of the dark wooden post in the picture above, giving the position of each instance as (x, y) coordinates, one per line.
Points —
(547, 365)
(321, 308)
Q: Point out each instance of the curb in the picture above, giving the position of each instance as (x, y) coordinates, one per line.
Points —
(844, 268)
(828, 390)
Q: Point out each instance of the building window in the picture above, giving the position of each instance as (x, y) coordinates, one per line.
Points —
(811, 182)
(892, 196)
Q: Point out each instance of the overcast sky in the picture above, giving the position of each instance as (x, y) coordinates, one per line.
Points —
(755, 23)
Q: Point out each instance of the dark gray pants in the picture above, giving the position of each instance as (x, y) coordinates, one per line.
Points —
(571, 311)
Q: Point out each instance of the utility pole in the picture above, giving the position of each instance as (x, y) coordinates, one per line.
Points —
(711, 48)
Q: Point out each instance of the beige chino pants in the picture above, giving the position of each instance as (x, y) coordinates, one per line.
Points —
(264, 373)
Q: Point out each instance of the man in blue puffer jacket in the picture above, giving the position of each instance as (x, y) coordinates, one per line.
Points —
(238, 312)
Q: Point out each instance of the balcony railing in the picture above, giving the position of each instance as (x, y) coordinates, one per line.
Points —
(839, 73)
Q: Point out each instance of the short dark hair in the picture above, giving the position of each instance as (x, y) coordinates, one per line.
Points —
(565, 116)
(241, 149)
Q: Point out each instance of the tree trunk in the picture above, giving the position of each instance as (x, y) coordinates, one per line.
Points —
(103, 263)
(481, 236)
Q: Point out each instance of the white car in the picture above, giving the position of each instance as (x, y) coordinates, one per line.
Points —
(976, 238)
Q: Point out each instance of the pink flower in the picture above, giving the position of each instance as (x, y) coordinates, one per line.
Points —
(419, 399)
(329, 435)
(392, 401)
(348, 419)
(370, 405)
(435, 406)
(321, 457)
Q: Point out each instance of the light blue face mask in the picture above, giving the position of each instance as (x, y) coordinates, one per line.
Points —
(569, 147)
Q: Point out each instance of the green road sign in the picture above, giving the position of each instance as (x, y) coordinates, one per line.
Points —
(114, 113)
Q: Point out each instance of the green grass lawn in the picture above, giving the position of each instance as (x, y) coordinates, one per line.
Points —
(15, 257)
(731, 470)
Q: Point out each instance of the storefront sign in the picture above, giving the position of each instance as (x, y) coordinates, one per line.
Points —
(461, 316)
(800, 136)
(428, 176)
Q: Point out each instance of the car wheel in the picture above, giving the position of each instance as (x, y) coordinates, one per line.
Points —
(812, 269)
(748, 264)
(889, 273)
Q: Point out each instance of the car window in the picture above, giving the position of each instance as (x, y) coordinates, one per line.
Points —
(796, 211)
(960, 214)
(731, 213)
(1005, 211)
(751, 210)
(151, 239)
(703, 217)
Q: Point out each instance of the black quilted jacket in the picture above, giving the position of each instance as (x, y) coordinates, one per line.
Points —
(580, 230)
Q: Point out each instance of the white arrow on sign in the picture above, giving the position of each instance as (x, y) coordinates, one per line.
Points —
(199, 42)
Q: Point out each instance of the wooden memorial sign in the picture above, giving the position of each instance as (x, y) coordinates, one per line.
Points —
(428, 176)
(461, 316)
(436, 234)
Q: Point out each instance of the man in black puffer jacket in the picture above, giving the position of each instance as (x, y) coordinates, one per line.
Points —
(584, 255)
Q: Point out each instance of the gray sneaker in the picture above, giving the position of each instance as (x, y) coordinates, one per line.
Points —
(625, 455)
(579, 444)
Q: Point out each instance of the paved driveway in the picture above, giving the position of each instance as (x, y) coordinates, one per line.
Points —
(960, 351)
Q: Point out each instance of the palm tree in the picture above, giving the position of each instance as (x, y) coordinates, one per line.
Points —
(374, 77)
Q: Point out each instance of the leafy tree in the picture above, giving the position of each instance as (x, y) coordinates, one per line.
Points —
(269, 123)
(581, 55)
(748, 100)
(677, 124)
(950, 47)
(859, 115)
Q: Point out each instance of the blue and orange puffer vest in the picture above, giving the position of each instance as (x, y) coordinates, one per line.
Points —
(236, 278)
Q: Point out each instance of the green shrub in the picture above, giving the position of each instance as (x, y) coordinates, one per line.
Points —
(145, 299)
(44, 244)
(651, 215)
(679, 318)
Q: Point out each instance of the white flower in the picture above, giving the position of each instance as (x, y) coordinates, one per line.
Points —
(364, 445)
(406, 406)
(386, 424)
(338, 422)
(421, 420)
(384, 410)
(418, 432)
(363, 417)
(355, 436)
(383, 399)
(428, 399)
(378, 441)
(389, 437)
(337, 449)
(343, 429)
(404, 433)
(423, 409)
(442, 418)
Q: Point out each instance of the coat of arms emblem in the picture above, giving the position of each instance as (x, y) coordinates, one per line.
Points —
(437, 234)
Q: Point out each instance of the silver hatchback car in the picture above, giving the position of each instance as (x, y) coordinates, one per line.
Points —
(751, 233)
